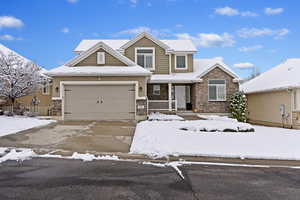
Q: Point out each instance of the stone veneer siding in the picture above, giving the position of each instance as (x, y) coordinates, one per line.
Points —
(56, 107)
(200, 93)
(141, 107)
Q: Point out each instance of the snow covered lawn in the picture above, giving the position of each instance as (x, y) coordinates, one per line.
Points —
(163, 117)
(163, 138)
(11, 125)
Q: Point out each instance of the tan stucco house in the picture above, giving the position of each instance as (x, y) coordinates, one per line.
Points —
(274, 96)
(127, 79)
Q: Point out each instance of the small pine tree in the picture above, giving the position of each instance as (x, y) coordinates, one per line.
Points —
(238, 106)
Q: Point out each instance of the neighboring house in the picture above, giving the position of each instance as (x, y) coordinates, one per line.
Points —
(41, 97)
(127, 79)
(274, 96)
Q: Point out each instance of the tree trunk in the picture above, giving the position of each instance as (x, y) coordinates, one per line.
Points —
(13, 103)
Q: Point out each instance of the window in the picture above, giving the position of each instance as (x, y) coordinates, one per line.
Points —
(100, 58)
(45, 89)
(145, 57)
(181, 62)
(156, 89)
(216, 90)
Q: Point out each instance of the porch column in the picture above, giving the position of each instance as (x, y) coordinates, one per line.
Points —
(170, 96)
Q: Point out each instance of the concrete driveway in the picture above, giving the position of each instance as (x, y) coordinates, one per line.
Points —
(106, 136)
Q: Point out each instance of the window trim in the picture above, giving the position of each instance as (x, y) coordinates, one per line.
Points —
(153, 91)
(296, 99)
(153, 56)
(47, 86)
(225, 88)
(186, 61)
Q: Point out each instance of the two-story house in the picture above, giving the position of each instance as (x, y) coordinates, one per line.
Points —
(127, 79)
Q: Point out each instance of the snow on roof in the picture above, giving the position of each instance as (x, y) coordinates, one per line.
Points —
(201, 67)
(176, 45)
(283, 76)
(99, 71)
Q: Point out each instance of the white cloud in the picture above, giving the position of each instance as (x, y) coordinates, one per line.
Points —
(228, 11)
(250, 48)
(246, 65)
(133, 2)
(273, 11)
(209, 40)
(65, 30)
(141, 29)
(255, 32)
(249, 14)
(72, 1)
(10, 22)
(9, 37)
(178, 25)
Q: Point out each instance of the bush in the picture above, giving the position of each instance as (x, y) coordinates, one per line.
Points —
(238, 106)
(8, 113)
(29, 114)
(1, 112)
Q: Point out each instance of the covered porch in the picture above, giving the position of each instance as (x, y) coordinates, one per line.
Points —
(169, 97)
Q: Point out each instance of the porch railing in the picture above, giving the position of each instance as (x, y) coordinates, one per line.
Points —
(162, 105)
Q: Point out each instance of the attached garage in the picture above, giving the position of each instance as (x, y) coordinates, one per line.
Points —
(99, 101)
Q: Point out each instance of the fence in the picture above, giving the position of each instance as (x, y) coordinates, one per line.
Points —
(38, 110)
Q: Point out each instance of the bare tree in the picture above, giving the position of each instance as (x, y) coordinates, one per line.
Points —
(18, 77)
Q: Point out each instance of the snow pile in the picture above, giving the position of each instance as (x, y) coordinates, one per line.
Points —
(217, 126)
(3, 150)
(216, 117)
(26, 154)
(18, 155)
(90, 157)
(163, 117)
(11, 125)
(164, 138)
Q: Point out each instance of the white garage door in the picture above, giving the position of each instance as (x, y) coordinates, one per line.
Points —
(99, 102)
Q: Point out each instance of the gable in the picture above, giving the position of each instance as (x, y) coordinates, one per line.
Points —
(148, 36)
(217, 73)
(110, 60)
(161, 59)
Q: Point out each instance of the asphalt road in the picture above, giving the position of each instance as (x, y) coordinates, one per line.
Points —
(60, 179)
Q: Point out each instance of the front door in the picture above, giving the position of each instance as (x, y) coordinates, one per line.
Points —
(180, 96)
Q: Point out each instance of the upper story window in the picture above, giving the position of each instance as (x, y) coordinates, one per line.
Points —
(100, 58)
(145, 57)
(181, 62)
(217, 90)
(45, 88)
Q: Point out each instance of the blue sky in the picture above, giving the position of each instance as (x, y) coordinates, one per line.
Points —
(246, 33)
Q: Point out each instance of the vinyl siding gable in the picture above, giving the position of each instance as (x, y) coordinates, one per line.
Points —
(110, 60)
(161, 58)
